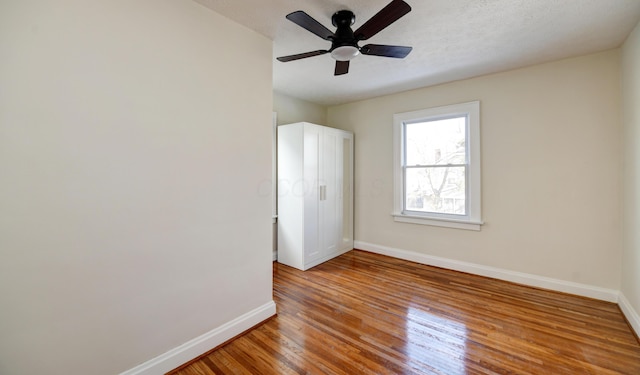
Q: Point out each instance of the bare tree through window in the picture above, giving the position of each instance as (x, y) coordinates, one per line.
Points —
(436, 166)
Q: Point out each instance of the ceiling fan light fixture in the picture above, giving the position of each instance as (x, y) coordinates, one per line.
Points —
(345, 53)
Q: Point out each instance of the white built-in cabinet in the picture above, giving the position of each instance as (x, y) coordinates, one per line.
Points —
(315, 194)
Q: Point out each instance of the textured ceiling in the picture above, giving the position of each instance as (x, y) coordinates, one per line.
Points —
(451, 40)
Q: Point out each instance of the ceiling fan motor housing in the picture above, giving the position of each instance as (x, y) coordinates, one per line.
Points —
(344, 46)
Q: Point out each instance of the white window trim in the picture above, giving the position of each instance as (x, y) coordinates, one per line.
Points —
(473, 219)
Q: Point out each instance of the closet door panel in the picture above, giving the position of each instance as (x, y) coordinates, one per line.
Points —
(311, 217)
(329, 198)
(340, 183)
(346, 202)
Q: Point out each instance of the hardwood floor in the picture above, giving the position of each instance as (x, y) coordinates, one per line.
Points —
(364, 313)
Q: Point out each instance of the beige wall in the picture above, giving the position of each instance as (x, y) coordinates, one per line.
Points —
(132, 215)
(631, 136)
(550, 171)
(291, 110)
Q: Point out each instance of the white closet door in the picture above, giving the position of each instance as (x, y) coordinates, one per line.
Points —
(340, 190)
(345, 230)
(329, 196)
(312, 149)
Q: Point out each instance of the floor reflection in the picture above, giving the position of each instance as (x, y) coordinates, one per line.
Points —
(435, 343)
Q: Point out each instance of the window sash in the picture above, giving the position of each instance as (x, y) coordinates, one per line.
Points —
(405, 166)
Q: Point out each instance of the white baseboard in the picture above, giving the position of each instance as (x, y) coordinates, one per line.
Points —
(202, 344)
(630, 313)
(584, 290)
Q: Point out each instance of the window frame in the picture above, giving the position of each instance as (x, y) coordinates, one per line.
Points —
(473, 218)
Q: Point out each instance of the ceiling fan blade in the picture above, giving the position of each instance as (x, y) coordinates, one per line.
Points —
(302, 55)
(342, 67)
(307, 22)
(388, 15)
(398, 52)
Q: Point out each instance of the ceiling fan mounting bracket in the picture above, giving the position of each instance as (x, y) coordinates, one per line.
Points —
(343, 18)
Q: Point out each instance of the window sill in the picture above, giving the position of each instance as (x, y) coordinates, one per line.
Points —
(447, 223)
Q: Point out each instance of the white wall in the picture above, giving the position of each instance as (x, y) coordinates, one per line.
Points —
(550, 171)
(134, 214)
(631, 136)
(291, 110)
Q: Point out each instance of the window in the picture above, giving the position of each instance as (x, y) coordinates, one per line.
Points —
(437, 166)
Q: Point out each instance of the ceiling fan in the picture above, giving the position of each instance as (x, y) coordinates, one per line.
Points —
(344, 42)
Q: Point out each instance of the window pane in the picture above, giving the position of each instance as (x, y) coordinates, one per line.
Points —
(436, 189)
(437, 142)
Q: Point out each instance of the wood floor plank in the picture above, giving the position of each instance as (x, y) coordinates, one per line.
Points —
(364, 313)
